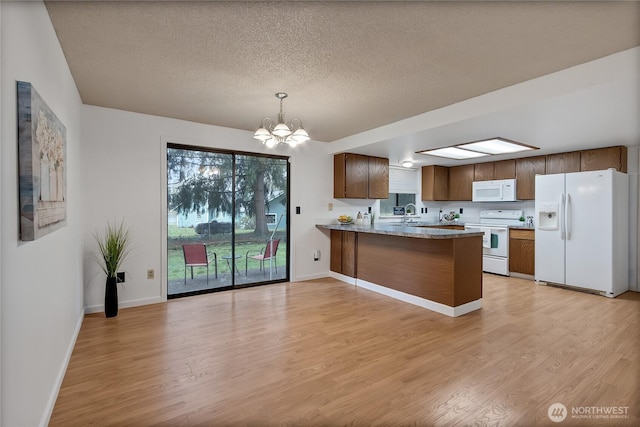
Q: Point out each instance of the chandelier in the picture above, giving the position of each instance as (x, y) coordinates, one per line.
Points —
(272, 133)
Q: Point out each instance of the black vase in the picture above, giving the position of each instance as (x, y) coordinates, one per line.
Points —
(111, 297)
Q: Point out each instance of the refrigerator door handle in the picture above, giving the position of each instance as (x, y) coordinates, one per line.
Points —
(562, 231)
(568, 216)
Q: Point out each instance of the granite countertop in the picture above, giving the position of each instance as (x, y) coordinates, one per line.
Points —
(419, 230)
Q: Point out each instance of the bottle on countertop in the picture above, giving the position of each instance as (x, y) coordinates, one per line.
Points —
(359, 218)
(366, 220)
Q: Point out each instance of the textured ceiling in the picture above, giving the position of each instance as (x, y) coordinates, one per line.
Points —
(348, 66)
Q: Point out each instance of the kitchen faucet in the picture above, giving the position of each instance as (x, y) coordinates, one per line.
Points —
(404, 217)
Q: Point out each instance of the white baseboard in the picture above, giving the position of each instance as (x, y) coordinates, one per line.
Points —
(51, 403)
(422, 302)
(124, 304)
(346, 279)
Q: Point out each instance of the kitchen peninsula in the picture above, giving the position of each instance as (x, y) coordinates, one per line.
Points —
(438, 269)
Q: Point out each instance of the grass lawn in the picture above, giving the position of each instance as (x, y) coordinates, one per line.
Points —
(218, 243)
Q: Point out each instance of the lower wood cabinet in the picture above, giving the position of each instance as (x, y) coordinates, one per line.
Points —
(522, 250)
(343, 252)
(446, 227)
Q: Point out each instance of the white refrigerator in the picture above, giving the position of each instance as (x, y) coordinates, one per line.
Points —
(582, 230)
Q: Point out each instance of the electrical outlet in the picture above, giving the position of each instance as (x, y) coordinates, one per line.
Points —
(151, 274)
(330, 206)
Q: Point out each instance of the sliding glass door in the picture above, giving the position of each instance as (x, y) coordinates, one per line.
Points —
(261, 219)
(227, 220)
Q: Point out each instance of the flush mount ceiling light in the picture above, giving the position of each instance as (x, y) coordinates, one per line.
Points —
(272, 133)
(495, 146)
(453, 153)
(407, 163)
(485, 147)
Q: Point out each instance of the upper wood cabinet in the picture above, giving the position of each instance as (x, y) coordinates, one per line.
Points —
(563, 163)
(483, 171)
(504, 169)
(378, 178)
(526, 171)
(360, 177)
(461, 182)
(435, 183)
(604, 158)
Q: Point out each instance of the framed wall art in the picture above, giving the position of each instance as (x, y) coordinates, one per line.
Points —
(42, 140)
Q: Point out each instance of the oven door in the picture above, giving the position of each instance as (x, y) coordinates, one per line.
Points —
(495, 241)
(499, 242)
(495, 248)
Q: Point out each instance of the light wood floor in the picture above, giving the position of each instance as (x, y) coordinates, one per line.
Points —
(326, 353)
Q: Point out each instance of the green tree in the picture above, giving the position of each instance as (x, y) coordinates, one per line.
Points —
(200, 180)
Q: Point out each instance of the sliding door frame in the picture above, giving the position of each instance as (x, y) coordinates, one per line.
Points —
(167, 144)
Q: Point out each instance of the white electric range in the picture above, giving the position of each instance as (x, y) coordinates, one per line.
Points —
(495, 242)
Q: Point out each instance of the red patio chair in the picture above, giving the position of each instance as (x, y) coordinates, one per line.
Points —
(270, 251)
(195, 255)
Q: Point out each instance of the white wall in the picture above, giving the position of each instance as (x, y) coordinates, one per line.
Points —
(41, 286)
(124, 175)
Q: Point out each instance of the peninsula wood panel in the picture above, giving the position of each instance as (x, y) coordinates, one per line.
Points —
(343, 252)
(378, 178)
(504, 169)
(467, 270)
(448, 271)
(483, 171)
(460, 182)
(562, 163)
(335, 263)
(349, 253)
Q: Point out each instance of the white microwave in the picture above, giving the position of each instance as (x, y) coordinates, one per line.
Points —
(501, 190)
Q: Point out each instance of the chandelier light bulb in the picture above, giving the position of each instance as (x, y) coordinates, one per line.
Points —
(272, 133)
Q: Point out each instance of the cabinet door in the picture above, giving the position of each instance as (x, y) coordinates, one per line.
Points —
(349, 253)
(526, 171)
(522, 251)
(350, 176)
(504, 169)
(435, 183)
(460, 182)
(336, 251)
(357, 176)
(483, 171)
(378, 178)
(604, 158)
(563, 163)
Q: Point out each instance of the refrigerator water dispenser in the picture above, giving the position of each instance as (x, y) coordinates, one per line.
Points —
(548, 218)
